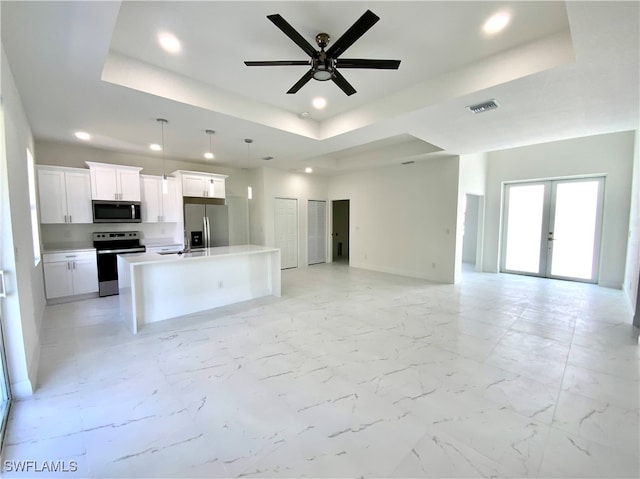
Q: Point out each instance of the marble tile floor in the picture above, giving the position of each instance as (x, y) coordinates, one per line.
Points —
(351, 373)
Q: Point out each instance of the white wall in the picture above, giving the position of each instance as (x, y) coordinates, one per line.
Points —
(610, 155)
(403, 218)
(632, 271)
(470, 237)
(283, 184)
(23, 308)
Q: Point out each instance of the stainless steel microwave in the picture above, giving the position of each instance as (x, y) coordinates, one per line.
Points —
(116, 211)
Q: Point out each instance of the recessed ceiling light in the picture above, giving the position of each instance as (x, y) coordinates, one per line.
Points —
(155, 147)
(319, 103)
(83, 135)
(169, 42)
(496, 23)
(208, 155)
(308, 170)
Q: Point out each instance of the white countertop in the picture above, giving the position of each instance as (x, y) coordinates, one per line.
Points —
(66, 247)
(152, 242)
(220, 251)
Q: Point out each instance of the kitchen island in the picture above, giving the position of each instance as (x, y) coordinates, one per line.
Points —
(154, 286)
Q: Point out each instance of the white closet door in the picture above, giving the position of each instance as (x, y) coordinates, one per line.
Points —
(287, 231)
(317, 231)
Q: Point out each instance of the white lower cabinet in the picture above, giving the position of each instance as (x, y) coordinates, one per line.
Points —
(70, 273)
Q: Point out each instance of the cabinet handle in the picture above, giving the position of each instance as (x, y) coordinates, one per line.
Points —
(71, 256)
(74, 265)
(68, 266)
(70, 219)
(65, 218)
(3, 293)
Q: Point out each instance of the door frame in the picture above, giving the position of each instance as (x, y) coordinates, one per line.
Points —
(546, 253)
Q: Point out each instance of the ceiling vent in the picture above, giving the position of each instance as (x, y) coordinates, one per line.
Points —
(482, 107)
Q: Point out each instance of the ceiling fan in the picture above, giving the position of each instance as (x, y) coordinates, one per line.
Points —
(325, 64)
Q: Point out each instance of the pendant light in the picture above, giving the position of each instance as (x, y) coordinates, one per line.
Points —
(209, 154)
(248, 141)
(165, 183)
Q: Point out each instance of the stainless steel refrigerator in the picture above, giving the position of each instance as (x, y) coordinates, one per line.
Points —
(206, 222)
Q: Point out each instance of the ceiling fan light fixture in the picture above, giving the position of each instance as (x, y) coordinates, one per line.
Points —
(322, 74)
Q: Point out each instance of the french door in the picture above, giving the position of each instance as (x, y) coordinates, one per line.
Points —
(552, 228)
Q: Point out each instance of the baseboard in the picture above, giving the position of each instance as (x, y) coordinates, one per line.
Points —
(70, 299)
(398, 272)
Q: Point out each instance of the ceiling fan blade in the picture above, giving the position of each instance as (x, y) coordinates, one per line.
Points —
(364, 23)
(277, 63)
(342, 82)
(291, 32)
(364, 63)
(302, 82)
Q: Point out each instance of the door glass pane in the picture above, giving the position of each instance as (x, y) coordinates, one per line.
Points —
(574, 230)
(524, 223)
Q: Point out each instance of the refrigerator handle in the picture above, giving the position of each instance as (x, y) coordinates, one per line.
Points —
(205, 239)
(208, 233)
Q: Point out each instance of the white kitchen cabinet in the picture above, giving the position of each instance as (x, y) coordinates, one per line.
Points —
(204, 185)
(114, 182)
(158, 207)
(70, 273)
(65, 195)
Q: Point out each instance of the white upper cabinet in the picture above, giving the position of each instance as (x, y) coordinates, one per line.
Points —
(158, 207)
(114, 182)
(205, 185)
(65, 195)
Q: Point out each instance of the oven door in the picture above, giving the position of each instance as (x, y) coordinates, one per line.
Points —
(108, 269)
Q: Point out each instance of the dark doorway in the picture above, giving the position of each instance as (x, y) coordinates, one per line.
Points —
(340, 230)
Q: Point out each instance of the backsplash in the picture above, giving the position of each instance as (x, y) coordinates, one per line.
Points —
(81, 233)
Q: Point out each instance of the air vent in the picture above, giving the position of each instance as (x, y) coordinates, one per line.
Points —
(410, 162)
(482, 107)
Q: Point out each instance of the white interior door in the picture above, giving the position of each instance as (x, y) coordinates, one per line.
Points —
(552, 228)
(286, 231)
(317, 232)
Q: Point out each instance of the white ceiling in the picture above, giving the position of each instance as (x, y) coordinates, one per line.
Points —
(558, 71)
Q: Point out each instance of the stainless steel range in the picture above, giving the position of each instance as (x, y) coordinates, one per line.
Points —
(108, 246)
